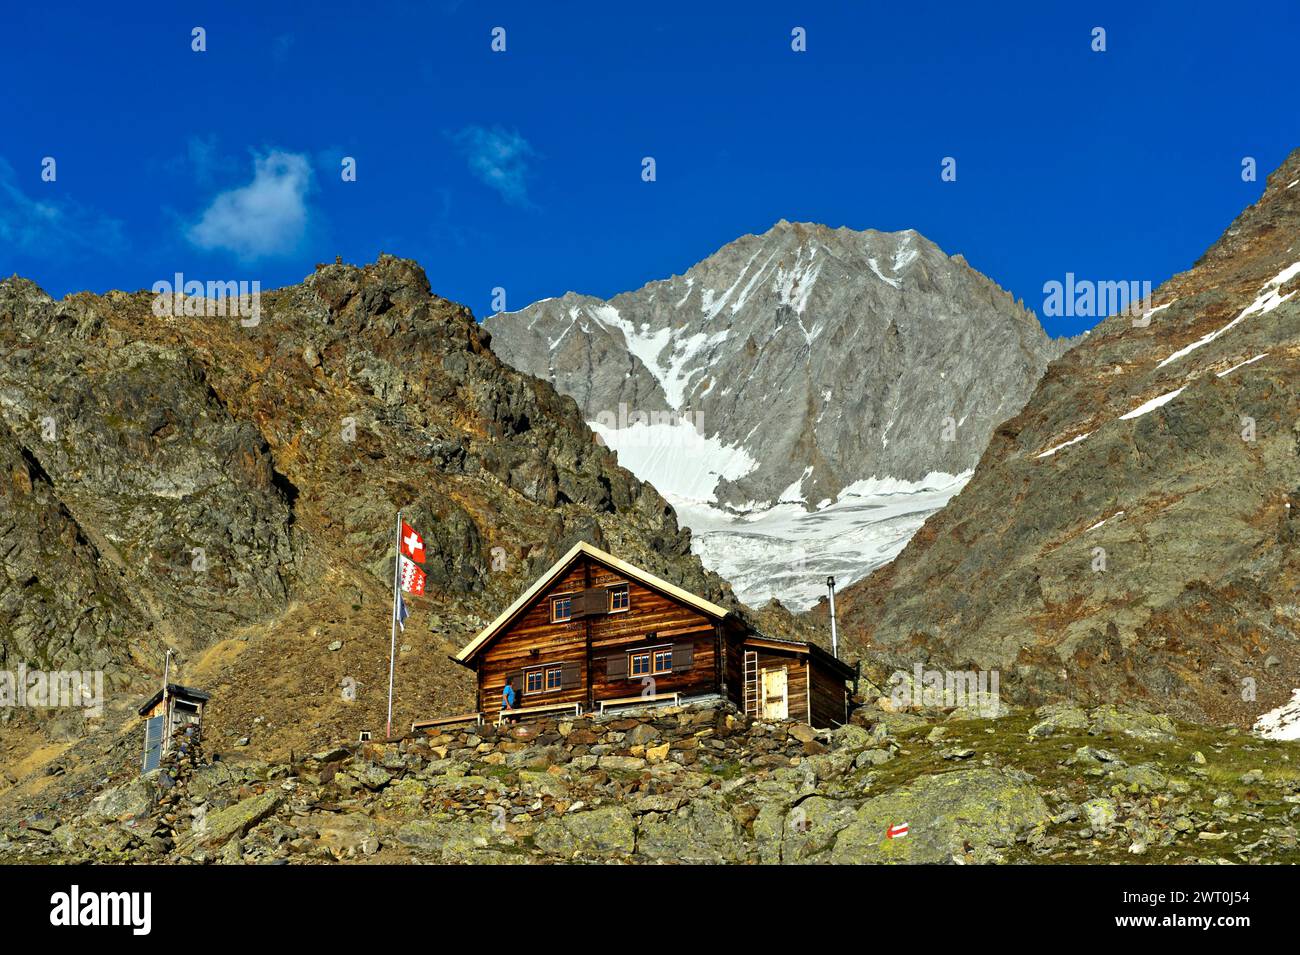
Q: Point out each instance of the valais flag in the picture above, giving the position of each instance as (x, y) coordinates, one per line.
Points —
(412, 543)
(412, 577)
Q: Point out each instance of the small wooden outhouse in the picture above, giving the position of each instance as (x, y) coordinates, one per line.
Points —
(172, 708)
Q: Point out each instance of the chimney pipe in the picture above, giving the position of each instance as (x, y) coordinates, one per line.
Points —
(835, 640)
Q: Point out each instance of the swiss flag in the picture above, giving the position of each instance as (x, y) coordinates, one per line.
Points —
(412, 578)
(412, 543)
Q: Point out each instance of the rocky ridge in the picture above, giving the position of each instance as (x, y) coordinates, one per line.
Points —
(1131, 533)
(228, 489)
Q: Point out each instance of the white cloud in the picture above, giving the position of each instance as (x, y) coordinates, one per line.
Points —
(52, 226)
(267, 217)
(499, 159)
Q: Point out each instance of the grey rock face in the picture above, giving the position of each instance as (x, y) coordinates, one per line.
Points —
(181, 479)
(1131, 534)
(154, 476)
(827, 355)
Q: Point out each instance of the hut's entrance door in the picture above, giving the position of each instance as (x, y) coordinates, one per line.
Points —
(776, 698)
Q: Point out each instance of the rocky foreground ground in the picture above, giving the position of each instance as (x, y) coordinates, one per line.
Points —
(705, 784)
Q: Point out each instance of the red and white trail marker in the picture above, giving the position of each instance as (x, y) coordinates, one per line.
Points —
(898, 831)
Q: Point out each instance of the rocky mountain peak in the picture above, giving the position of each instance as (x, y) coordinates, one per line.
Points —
(793, 368)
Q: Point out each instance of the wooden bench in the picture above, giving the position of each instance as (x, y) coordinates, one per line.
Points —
(475, 718)
(574, 708)
(654, 698)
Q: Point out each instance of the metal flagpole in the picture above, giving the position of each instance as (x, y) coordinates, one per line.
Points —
(166, 717)
(392, 649)
(835, 641)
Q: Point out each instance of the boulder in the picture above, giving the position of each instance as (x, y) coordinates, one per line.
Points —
(1152, 727)
(983, 809)
(850, 736)
(374, 777)
(211, 777)
(218, 827)
(1142, 778)
(1057, 718)
(810, 827)
(872, 757)
(700, 832)
(802, 732)
(1101, 813)
(354, 832)
(606, 831)
(768, 828)
(456, 839)
(133, 799)
(891, 724)
(621, 763)
(642, 734)
(537, 783)
(403, 798)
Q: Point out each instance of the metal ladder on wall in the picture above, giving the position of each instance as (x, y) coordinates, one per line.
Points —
(753, 703)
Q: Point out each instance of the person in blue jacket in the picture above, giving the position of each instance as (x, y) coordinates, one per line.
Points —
(508, 694)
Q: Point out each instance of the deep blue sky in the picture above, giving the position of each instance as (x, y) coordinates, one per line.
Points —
(522, 169)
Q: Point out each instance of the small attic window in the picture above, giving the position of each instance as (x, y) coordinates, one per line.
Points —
(562, 608)
(619, 598)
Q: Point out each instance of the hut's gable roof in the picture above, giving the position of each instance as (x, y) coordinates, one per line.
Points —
(558, 569)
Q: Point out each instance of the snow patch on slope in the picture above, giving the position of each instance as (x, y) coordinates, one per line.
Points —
(794, 285)
(1266, 300)
(1283, 722)
(673, 373)
(787, 551)
(1248, 361)
(679, 461)
(905, 255)
(882, 276)
(794, 493)
(1064, 444)
(1117, 514)
(1148, 406)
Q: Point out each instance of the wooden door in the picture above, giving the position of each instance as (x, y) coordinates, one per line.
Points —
(776, 696)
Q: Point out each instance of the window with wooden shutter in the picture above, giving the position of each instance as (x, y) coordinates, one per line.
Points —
(616, 667)
(592, 602)
(683, 656)
(654, 661)
(570, 675)
(549, 678)
(517, 681)
(581, 605)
